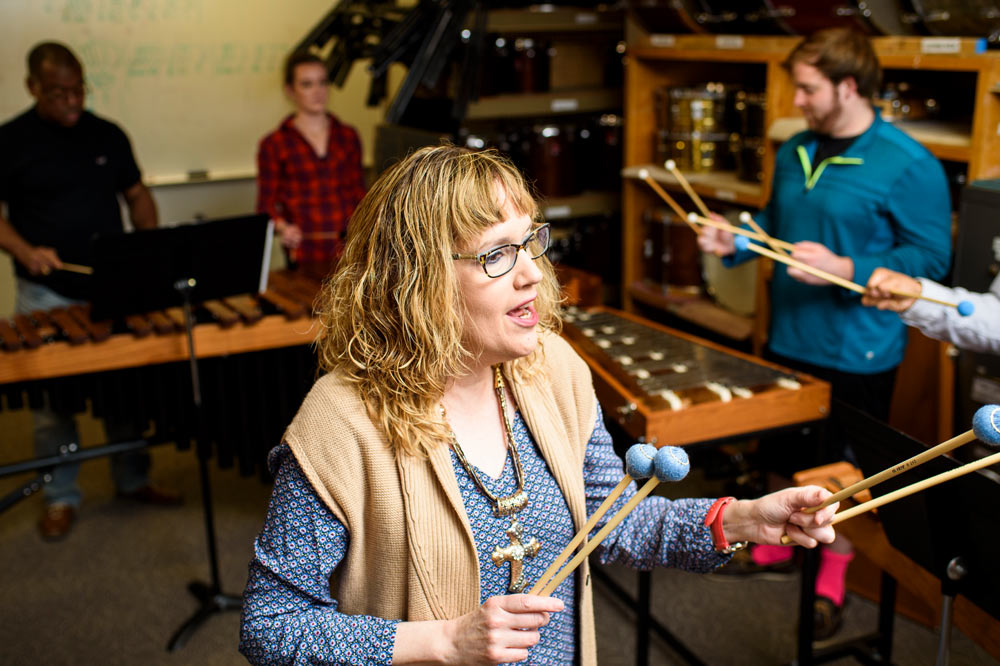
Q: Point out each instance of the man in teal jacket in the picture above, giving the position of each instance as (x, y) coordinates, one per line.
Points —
(852, 193)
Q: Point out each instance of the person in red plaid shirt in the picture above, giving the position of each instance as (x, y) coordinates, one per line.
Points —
(309, 176)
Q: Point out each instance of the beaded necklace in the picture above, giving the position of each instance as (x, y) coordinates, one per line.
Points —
(508, 505)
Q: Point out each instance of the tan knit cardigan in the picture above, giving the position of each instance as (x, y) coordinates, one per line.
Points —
(412, 555)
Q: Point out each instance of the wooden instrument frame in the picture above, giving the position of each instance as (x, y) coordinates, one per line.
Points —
(649, 418)
(243, 331)
(124, 350)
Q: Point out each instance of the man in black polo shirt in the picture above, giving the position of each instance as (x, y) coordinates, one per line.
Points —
(61, 171)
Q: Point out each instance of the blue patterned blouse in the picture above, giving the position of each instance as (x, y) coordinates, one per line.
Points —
(289, 616)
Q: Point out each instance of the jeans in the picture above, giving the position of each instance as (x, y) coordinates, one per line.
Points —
(129, 470)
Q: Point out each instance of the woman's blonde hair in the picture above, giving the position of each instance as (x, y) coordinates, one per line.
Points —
(392, 315)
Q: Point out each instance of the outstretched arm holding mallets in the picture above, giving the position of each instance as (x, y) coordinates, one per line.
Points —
(802, 513)
(820, 276)
(985, 428)
(980, 333)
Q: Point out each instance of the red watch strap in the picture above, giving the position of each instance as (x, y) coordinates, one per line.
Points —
(713, 520)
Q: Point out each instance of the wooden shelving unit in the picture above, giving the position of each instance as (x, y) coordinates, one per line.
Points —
(551, 18)
(587, 204)
(676, 60)
(719, 185)
(700, 311)
(560, 103)
(946, 140)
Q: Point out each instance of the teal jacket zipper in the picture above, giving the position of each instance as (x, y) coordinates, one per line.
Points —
(811, 176)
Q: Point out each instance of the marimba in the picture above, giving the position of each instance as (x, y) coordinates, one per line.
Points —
(254, 359)
(665, 386)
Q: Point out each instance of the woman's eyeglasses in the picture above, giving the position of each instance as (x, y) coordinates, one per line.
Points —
(500, 260)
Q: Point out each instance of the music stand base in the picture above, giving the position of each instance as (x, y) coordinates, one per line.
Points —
(211, 600)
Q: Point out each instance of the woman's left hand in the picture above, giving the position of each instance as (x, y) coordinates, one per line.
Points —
(767, 519)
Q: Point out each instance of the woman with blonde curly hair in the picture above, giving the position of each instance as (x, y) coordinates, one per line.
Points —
(450, 423)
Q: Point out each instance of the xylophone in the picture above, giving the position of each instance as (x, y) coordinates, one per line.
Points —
(255, 366)
(668, 387)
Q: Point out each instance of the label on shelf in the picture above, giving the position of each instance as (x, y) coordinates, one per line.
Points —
(663, 41)
(729, 41)
(985, 389)
(941, 45)
(566, 104)
(556, 212)
(586, 18)
(725, 195)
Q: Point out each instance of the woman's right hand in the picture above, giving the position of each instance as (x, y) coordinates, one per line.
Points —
(290, 234)
(502, 630)
(882, 283)
(716, 241)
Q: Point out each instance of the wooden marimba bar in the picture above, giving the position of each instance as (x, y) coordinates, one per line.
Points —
(65, 341)
(254, 360)
(668, 387)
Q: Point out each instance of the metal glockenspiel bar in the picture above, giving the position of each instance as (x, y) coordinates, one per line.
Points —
(661, 363)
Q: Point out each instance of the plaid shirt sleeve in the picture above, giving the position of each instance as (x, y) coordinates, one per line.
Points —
(268, 174)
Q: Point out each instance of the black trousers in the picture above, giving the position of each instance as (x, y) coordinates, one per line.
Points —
(787, 453)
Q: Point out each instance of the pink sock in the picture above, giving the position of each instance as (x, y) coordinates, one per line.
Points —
(832, 574)
(765, 554)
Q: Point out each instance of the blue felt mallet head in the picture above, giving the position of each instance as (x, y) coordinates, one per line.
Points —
(966, 308)
(741, 242)
(986, 425)
(639, 461)
(671, 463)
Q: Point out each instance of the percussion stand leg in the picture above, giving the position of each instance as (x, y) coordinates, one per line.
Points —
(24, 491)
(955, 571)
(807, 597)
(210, 597)
(643, 614)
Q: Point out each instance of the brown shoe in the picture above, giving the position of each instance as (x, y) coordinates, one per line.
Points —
(827, 618)
(149, 494)
(57, 521)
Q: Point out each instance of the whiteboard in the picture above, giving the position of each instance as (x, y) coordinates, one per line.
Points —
(194, 83)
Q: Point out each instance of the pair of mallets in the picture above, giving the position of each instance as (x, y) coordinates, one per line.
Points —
(642, 461)
(985, 428)
(778, 247)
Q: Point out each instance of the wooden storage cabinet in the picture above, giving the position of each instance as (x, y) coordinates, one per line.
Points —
(580, 87)
(925, 383)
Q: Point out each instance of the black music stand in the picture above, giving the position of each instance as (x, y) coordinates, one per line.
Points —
(158, 268)
(946, 529)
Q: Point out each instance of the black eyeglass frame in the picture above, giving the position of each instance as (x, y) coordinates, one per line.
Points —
(523, 245)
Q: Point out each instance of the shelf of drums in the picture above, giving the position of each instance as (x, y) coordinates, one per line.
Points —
(764, 47)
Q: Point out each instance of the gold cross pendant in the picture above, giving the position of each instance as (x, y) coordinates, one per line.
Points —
(515, 554)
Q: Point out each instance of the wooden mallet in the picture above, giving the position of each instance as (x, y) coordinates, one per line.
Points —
(639, 460)
(672, 168)
(739, 231)
(985, 428)
(965, 308)
(670, 464)
(669, 200)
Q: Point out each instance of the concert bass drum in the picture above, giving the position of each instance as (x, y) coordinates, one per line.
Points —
(735, 289)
